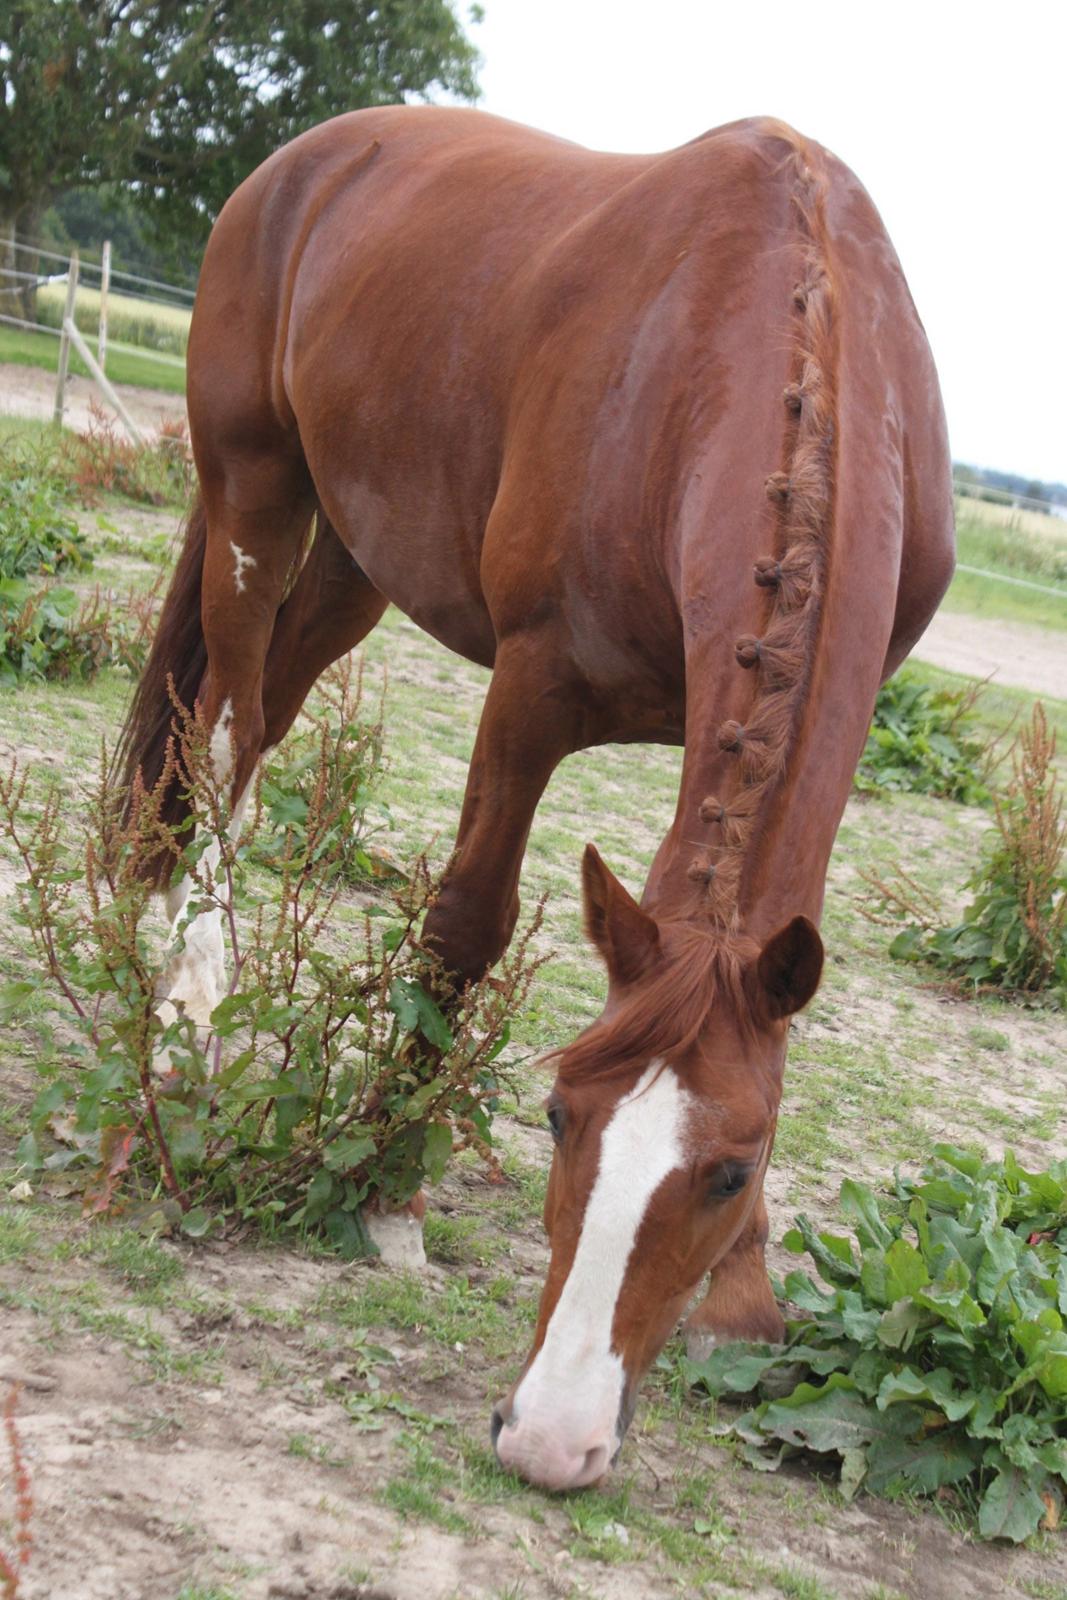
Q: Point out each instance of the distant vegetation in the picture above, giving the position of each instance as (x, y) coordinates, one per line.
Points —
(1010, 483)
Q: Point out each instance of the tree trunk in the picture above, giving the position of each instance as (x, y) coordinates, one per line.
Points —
(10, 300)
(28, 232)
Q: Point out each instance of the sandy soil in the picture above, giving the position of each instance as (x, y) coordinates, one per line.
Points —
(1011, 653)
(143, 1486)
(31, 392)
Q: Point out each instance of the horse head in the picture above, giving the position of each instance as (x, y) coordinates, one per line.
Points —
(663, 1116)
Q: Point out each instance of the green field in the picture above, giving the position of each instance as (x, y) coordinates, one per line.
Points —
(1030, 548)
(345, 1408)
(19, 345)
(130, 320)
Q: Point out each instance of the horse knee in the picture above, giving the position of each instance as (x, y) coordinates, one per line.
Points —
(466, 941)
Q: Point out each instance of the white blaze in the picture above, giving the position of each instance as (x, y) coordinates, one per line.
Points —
(576, 1374)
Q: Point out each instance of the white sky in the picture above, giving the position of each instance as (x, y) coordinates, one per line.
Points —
(953, 114)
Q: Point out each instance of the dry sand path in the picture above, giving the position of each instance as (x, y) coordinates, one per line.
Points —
(1013, 654)
(31, 392)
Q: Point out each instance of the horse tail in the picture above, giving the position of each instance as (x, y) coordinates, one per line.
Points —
(173, 673)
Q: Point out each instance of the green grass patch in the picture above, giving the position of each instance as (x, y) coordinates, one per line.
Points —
(19, 345)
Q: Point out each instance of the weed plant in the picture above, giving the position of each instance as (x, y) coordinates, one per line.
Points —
(934, 1362)
(57, 633)
(922, 741)
(38, 535)
(327, 1075)
(1013, 933)
(345, 749)
(53, 465)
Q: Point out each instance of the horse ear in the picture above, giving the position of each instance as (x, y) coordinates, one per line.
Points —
(626, 936)
(788, 968)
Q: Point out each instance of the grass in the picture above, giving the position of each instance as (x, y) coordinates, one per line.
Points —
(19, 345)
(153, 324)
(1024, 546)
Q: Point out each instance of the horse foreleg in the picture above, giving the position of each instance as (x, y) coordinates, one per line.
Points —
(531, 719)
(740, 1303)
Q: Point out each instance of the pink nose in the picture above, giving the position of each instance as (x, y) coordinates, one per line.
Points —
(540, 1456)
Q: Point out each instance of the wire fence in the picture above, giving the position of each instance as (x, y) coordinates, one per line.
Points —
(155, 324)
(89, 265)
(113, 286)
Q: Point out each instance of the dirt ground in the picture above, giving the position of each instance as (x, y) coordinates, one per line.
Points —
(1009, 653)
(31, 392)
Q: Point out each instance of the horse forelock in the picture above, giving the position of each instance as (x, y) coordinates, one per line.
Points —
(665, 1013)
(782, 657)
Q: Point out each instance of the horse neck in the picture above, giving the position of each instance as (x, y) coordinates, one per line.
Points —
(784, 657)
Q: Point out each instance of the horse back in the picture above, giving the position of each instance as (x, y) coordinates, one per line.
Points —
(539, 386)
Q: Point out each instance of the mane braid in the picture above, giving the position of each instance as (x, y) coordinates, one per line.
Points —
(803, 494)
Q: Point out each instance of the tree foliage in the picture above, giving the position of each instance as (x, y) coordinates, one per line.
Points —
(183, 98)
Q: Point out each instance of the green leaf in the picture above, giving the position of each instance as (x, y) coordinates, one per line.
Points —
(436, 1150)
(1010, 1508)
(859, 1203)
(348, 1233)
(937, 1387)
(196, 1222)
(348, 1151)
(924, 1464)
(835, 1416)
(416, 1012)
(853, 1471)
(905, 1271)
(831, 1253)
(898, 1326)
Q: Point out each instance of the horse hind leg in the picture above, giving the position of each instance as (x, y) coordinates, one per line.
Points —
(251, 697)
(248, 559)
(331, 609)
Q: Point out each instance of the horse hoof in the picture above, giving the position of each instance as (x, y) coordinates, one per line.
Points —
(398, 1235)
(699, 1343)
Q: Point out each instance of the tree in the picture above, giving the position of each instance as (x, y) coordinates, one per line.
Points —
(180, 99)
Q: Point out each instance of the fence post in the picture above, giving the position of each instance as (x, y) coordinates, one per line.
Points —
(105, 284)
(64, 338)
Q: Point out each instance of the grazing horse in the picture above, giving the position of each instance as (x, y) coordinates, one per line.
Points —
(659, 440)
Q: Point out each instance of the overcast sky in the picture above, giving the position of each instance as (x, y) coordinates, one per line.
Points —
(953, 115)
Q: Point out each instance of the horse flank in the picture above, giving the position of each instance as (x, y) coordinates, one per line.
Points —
(803, 493)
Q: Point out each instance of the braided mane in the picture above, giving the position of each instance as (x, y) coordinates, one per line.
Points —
(794, 577)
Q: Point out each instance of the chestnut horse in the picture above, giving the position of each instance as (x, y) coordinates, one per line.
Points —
(658, 439)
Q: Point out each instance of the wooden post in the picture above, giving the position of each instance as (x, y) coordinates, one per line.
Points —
(64, 338)
(105, 284)
(102, 381)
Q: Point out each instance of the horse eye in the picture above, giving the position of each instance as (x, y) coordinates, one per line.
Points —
(728, 1180)
(555, 1121)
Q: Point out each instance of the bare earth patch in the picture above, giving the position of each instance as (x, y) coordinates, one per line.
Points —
(31, 392)
(1010, 653)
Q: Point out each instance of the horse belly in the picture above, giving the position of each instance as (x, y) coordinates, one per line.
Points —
(420, 560)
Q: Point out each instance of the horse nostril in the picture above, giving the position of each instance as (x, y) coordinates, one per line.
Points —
(595, 1464)
(496, 1423)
